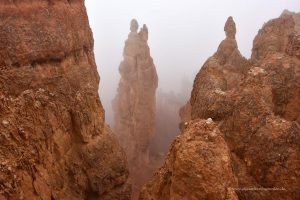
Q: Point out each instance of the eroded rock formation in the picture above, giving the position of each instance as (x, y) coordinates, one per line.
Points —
(134, 105)
(54, 143)
(220, 73)
(191, 164)
(243, 141)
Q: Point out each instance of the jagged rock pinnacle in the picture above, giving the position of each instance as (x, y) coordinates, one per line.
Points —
(134, 104)
(230, 28)
(144, 32)
(134, 25)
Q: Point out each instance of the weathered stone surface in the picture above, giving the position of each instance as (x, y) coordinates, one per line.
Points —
(266, 146)
(220, 73)
(54, 142)
(134, 104)
(293, 46)
(273, 37)
(197, 167)
(257, 119)
(229, 28)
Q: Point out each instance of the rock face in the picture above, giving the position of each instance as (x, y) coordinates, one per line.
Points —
(243, 139)
(54, 142)
(134, 105)
(191, 162)
(221, 72)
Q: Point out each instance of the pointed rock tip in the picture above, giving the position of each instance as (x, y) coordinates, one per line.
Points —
(230, 28)
(134, 25)
(286, 12)
(145, 28)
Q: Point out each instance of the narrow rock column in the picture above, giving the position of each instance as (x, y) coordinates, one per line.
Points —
(134, 104)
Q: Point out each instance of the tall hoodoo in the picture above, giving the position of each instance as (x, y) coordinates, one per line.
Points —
(134, 104)
(229, 28)
(54, 143)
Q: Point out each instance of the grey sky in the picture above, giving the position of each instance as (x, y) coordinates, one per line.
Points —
(182, 33)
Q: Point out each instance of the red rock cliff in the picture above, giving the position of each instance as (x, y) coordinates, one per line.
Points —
(243, 140)
(54, 142)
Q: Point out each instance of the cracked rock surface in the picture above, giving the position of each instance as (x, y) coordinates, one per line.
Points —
(54, 143)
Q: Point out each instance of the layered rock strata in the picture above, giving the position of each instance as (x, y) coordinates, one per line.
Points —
(54, 141)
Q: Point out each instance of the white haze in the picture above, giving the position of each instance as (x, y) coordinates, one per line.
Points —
(182, 34)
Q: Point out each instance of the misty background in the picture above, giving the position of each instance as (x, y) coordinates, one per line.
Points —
(182, 35)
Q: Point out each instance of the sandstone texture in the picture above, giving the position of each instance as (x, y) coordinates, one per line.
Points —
(134, 104)
(54, 143)
(220, 73)
(191, 162)
(243, 139)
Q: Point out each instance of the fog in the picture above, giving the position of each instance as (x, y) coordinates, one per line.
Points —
(182, 34)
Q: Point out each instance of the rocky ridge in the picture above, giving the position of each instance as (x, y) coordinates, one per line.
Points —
(242, 141)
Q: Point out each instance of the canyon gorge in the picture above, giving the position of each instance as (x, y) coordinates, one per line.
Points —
(237, 136)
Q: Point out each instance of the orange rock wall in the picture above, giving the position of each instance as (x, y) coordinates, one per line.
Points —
(54, 142)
